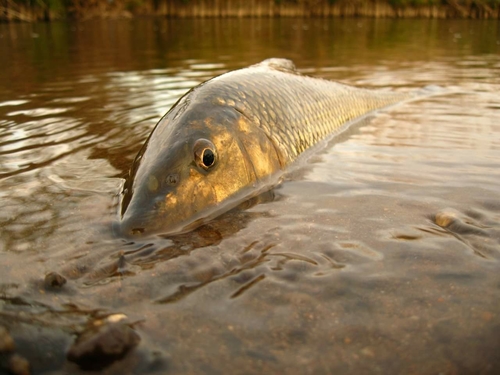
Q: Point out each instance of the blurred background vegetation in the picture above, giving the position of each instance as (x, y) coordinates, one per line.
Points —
(33, 10)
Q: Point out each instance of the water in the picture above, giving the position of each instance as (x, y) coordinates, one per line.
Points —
(378, 254)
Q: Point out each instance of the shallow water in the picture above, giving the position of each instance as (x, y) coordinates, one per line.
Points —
(378, 254)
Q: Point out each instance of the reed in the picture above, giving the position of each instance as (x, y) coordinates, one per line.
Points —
(33, 10)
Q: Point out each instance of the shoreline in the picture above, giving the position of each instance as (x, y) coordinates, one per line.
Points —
(47, 10)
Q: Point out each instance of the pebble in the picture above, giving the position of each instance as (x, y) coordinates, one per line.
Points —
(98, 347)
(54, 280)
(446, 217)
(19, 365)
(6, 341)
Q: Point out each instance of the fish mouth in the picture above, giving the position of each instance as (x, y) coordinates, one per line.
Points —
(121, 230)
(128, 228)
(137, 222)
(133, 226)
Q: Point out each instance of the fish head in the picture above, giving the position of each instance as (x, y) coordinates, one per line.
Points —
(194, 166)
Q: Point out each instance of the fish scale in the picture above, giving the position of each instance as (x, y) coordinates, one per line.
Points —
(307, 110)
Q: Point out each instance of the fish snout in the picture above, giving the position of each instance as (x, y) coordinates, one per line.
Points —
(141, 216)
(129, 227)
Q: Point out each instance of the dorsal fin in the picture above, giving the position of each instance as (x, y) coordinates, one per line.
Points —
(279, 64)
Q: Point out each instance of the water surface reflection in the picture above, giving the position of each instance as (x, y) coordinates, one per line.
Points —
(379, 252)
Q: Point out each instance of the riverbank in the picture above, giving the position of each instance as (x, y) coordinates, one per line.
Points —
(36, 10)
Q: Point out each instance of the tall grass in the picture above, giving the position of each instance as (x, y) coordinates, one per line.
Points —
(31, 10)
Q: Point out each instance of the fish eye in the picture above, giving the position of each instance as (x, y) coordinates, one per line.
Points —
(208, 157)
(205, 155)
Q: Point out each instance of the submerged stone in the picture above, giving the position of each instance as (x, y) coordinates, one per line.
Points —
(19, 365)
(98, 347)
(446, 217)
(54, 280)
(6, 341)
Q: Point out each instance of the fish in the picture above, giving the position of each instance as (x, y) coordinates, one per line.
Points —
(230, 139)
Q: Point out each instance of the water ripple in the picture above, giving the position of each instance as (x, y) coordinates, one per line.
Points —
(380, 247)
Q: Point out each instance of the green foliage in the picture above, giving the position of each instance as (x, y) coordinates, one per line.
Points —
(403, 3)
(53, 5)
(132, 5)
(60, 7)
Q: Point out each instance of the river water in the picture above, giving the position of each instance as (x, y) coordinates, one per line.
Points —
(380, 253)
